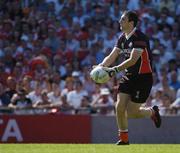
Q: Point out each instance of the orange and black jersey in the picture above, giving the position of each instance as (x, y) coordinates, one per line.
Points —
(138, 41)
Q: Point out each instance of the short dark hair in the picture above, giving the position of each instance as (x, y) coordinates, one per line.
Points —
(21, 91)
(132, 16)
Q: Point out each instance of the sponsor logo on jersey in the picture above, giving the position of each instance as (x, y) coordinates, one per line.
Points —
(130, 44)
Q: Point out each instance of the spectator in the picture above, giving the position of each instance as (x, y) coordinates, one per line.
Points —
(44, 102)
(167, 91)
(56, 78)
(55, 95)
(156, 60)
(174, 83)
(172, 65)
(35, 94)
(76, 76)
(52, 41)
(3, 74)
(166, 39)
(65, 106)
(168, 4)
(18, 71)
(156, 85)
(166, 102)
(71, 42)
(78, 96)
(26, 83)
(104, 103)
(83, 51)
(176, 104)
(58, 65)
(88, 83)
(20, 101)
(165, 19)
(157, 98)
(69, 84)
(4, 98)
(133, 5)
(9, 91)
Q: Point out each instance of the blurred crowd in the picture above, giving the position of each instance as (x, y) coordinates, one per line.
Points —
(48, 47)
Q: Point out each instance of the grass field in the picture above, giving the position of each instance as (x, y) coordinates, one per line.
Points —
(89, 148)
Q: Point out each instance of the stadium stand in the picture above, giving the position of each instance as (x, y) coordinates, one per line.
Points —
(49, 43)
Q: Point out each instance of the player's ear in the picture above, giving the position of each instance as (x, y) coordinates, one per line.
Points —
(132, 23)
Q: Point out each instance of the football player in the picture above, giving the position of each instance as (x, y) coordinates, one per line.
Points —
(135, 86)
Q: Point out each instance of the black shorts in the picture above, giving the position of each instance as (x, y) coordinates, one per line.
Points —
(138, 87)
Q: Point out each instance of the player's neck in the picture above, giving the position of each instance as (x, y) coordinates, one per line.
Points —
(129, 32)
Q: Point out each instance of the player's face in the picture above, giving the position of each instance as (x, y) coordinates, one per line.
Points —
(124, 23)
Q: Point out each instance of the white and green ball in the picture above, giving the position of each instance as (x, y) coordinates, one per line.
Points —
(99, 75)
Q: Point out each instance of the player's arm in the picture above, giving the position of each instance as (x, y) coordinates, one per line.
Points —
(108, 60)
(134, 56)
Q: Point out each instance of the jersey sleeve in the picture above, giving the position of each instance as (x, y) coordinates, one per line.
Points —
(141, 43)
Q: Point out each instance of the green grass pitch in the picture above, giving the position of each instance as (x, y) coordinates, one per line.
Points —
(89, 148)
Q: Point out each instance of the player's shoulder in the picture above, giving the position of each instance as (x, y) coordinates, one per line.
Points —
(122, 35)
(140, 34)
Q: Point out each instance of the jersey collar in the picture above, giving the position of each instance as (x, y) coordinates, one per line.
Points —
(130, 34)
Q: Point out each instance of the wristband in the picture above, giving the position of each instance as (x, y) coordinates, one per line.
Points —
(116, 69)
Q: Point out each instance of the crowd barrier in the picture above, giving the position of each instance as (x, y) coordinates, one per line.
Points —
(47, 128)
(61, 128)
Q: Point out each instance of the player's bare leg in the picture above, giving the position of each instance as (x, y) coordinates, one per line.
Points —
(134, 110)
(122, 118)
(125, 109)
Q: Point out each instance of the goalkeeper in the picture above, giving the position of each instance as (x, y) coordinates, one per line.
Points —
(135, 86)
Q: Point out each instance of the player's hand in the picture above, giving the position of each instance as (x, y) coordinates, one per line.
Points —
(111, 70)
(96, 65)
